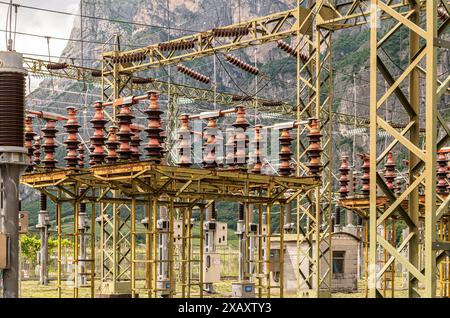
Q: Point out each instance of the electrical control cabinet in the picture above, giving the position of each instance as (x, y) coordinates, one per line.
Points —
(211, 268)
(23, 222)
(4, 251)
(243, 290)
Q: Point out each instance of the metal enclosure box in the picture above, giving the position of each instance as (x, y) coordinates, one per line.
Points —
(274, 265)
(163, 287)
(243, 290)
(23, 222)
(211, 268)
(221, 234)
(4, 251)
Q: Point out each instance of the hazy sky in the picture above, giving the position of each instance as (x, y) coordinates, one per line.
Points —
(41, 23)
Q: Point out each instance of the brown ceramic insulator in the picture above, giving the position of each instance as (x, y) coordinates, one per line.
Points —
(29, 136)
(442, 13)
(49, 146)
(290, 50)
(241, 64)
(389, 174)
(91, 150)
(314, 150)
(258, 144)
(285, 153)
(230, 32)
(240, 139)
(135, 143)
(230, 148)
(441, 174)
(125, 118)
(398, 186)
(365, 178)
(72, 141)
(98, 139)
(344, 180)
(184, 145)
(37, 150)
(12, 101)
(154, 149)
(209, 150)
(177, 46)
(193, 74)
(129, 58)
(96, 73)
(142, 80)
(237, 98)
(272, 103)
(57, 66)
(112, 144)
(81, 152)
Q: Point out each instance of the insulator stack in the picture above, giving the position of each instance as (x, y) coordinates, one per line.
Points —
(230, 32)
(29, 136)
(96, 73)
(112, 144)
(230, 146)
(365, 179)
(72, 142)
(290, 50)
(272, 103)
(37, 150)
(240, 138)
(135, 144)
(398, 186)
(49, 146)
(184, 146)
(142, 80)
(314, 150)
(91, 150)
(241, 64)
(154, 129)
(389, 175)
(98, 139)
(442, 13)
(177, 46)
(193, 74)
(129, 58)
(237, 98)
(344, 180)
(125, 118)
(57, 66)
(441, 173)
(285, 153)
(81, 156)
(257, 156)
(209, 150)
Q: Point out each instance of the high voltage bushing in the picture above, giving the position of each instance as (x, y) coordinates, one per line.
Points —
(112, 144)
(389, 174)
(365, 178)
(241, 64)
(209, 150)
(177, 46)
(193, 74)
(72, 141)
(441, 174)
(343, 180)
(29, 136)
(314, 150)
(142, 80)
(135, 143)
(230, 158)
(37, 150)
(49, 145)
(91, 150)
(290, 50)
(272, 103)
(285, 154)
(230, 32)
(81, 151)
(129, 58)
(237, 98)
(240, 138)
(184, 145)
(96, 73)
(258, 144)
(98, 139)
(125, 118)
(154, 149)
(57, 66)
